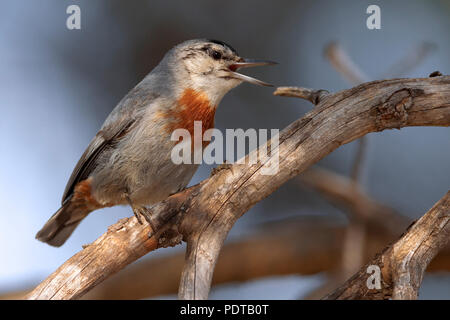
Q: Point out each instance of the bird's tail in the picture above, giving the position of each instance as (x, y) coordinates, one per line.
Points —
(61, 225)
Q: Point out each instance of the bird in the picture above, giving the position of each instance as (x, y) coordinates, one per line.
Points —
(128, 162)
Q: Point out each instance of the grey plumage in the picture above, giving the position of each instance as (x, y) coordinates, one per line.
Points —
(128, 161)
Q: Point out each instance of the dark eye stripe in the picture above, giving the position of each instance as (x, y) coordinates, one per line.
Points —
(223, 44)
(208, 49)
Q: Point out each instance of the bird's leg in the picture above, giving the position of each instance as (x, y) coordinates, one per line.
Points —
(140, 210)
(136, 209)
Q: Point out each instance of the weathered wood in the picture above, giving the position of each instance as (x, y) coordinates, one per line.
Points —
(313, 96)
(205, 213)
(403, 264)
(305, 245)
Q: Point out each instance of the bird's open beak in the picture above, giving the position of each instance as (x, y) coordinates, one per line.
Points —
(247, 63)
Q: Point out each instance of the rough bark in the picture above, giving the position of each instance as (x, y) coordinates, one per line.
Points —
(204, 214)
(403, 264)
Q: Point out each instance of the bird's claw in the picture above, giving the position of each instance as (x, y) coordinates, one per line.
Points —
(146, 213)
(139, 211)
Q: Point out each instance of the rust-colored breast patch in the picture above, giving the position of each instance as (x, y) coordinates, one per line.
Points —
(192, 106)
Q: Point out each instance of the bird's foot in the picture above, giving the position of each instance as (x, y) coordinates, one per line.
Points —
(144, 212)
(139, 211)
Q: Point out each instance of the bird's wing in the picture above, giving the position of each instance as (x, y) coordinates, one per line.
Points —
(107, 136)
(121, 120)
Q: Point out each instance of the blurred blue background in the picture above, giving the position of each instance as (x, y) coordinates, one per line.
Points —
(58, 85)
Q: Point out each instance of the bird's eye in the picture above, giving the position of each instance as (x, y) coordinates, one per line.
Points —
(216, 55)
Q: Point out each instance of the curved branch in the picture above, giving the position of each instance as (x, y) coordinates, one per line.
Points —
(305, 245)
(341, 61)
(403, 264)
(122, 244)
(204, 214)
(313, 96)
(345, 193)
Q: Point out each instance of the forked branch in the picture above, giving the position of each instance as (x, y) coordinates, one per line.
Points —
(204, 214)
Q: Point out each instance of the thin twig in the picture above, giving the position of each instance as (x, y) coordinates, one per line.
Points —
(314, 96)
(358, 161)
(342, 62)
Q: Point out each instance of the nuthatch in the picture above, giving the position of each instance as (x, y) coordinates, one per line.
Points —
(129, 160)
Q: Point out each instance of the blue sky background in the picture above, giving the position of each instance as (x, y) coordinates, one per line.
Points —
(57, 86)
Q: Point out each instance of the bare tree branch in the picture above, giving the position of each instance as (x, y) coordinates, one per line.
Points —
(314, 96)
(342, 62)
(366, 218)
(353, 247)
(403, 264)
(306, 245)
(204, 214)
(359, 159)
(342, 192)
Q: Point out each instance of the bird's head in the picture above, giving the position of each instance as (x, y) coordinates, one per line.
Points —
(210, 66)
